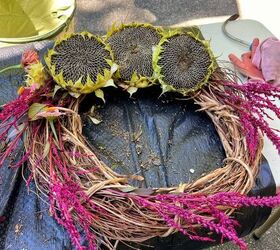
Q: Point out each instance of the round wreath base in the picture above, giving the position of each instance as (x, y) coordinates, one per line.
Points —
(91, 193)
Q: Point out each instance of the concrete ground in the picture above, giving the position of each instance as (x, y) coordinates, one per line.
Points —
(97, 16)
(269, 241)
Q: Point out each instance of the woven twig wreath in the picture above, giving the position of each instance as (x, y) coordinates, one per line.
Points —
(116, 204)
(85, 193)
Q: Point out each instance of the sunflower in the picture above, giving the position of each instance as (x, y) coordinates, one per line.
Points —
(81, 63)
(183, 62)
(132, 47)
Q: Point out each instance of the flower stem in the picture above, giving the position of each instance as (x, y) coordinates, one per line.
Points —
(18, 66)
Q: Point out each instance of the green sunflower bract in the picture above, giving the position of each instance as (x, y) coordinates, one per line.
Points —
(81, 63)
(132, 47)
(183, 62)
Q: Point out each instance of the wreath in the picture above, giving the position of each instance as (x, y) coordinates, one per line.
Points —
(85, 193)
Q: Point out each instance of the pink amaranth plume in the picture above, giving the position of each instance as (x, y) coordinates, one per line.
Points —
(10, 116)
(251, 101)
(14, 119)
(68, 199)
(193, 209)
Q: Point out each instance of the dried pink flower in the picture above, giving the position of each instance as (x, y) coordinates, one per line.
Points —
(29, 57)
(251, 101)
(50, 112)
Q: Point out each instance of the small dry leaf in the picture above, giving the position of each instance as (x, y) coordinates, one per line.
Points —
(143, 191)
(40, 216)
(46, 149)
(127, 189)
(157, 162)
(136, 136)
(18, 228)
(94, 120)
(136, 177)
(3, 146)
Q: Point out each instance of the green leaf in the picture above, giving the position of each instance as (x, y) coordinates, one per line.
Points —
(110, 83)
(134, 77)
(114, 68)
(56, 88)
(100, 94)
(132, 90)
(34, 109)
(53, 129)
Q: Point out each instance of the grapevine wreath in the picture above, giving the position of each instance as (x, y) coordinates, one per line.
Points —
(85, 193)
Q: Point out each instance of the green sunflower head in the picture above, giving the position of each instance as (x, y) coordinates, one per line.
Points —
(132, 47)
(81, 63)
(183, 62)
